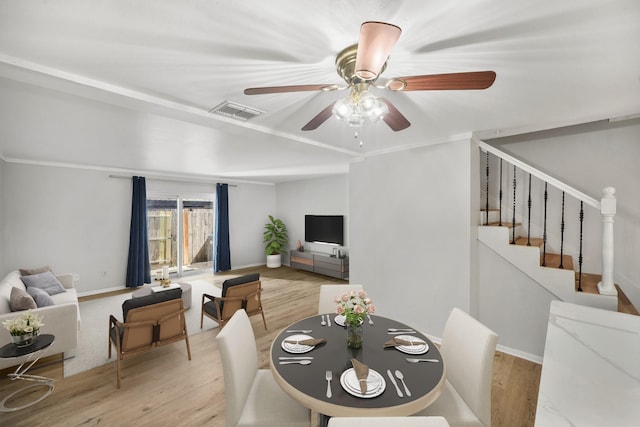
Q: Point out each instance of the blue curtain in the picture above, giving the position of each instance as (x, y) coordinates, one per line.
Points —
(138, 266)
(221, 251)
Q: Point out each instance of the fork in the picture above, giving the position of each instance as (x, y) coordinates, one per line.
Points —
(328, 376)
(413, 360)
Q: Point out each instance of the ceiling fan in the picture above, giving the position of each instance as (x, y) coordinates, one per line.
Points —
(360, 65)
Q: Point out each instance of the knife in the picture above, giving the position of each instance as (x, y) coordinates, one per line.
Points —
(393, 381)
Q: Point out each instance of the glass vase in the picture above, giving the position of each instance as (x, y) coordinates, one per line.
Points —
(355, 335)
(24, 340)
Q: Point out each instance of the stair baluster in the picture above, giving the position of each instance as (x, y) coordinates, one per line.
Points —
(500, 196)
(529, 215)
(580, 253)
(606, 208)
(513, 217)
(544, 232)
(486, 212)
(562, 234)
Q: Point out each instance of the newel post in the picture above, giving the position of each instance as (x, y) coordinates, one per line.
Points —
(608, 212)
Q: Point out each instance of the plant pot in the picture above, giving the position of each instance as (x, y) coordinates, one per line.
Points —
(274, 261)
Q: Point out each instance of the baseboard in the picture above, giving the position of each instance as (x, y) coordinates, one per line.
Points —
(240, 267)
(101, 291)
(504, 349)
(521, 354)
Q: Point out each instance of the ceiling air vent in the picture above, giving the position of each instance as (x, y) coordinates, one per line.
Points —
(235, 111)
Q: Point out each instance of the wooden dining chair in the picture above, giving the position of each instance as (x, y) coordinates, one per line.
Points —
(252, 396)
(388, 422)
(468, 349)
(328, 294)
(242, 292)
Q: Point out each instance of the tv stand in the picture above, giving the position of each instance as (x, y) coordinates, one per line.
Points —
(321, 263)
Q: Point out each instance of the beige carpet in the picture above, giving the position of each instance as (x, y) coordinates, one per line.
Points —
(93, 339)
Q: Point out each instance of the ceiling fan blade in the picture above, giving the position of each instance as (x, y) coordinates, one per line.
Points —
(320, 118)
(451, 81)
(394, 118)
(281, 89)
(376, 41)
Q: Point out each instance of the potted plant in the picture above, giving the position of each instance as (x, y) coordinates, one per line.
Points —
(275, 236)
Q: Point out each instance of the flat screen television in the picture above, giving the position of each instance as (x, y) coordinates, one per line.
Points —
(324, 229)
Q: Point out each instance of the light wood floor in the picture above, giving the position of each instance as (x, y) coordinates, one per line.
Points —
(164, 388)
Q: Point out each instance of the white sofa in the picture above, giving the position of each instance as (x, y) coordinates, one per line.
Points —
(61, 319)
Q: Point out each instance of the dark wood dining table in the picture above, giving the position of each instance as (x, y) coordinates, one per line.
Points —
(307, 383)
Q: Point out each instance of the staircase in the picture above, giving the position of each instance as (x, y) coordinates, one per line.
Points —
(554, 272)
(561, 282)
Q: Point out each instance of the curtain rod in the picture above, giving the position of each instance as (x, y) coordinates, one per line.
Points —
(196, 181)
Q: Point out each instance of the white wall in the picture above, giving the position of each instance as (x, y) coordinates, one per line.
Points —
(321, 196)
(78, 221)
(2, 205)
(410, 232)
(513, 305)
(249, 209)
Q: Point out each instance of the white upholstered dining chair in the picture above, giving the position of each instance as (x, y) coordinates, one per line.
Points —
(467, 348)
(388, 422)
(253, 398)
(328, 294)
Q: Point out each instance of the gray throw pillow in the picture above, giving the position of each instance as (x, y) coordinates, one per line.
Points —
(32, 271)
(41, 297)
(45, 281)
(20, 300)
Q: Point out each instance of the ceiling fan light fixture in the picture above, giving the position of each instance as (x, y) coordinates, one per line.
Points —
(371, 107)
(344, 108)
(360, 65)
(359, 108)
(376, 41)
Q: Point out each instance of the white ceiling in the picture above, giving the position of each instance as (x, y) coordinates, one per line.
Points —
(127, 85)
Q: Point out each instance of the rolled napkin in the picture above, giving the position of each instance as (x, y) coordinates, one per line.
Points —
(362, 373)
(399, 341)
(308, 341)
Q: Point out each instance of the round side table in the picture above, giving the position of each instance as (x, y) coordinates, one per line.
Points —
(33, 353)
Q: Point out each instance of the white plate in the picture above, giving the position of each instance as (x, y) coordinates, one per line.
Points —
(340, 319)
(296, 348)
(412, 349)
(375, 384)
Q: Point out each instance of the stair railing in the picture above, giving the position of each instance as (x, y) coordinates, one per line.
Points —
(606, 206)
